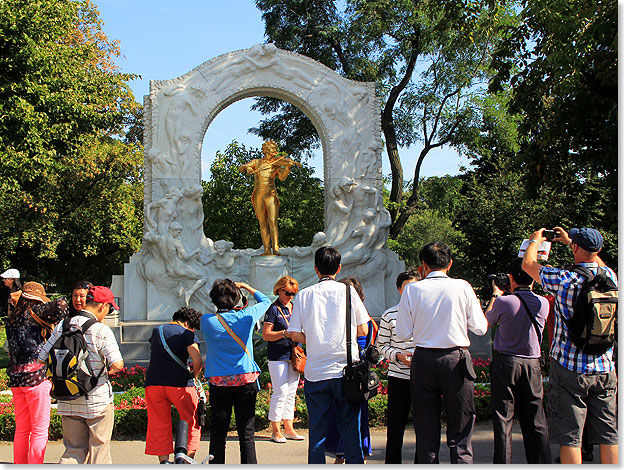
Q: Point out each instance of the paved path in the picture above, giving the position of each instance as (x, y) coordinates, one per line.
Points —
(294, 452)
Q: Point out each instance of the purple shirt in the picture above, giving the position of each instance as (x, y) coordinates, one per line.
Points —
(515, 334)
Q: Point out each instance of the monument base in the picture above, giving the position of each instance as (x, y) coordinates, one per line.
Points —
(264, 271)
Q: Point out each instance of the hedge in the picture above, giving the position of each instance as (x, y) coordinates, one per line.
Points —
(131, 422)
(131, 412)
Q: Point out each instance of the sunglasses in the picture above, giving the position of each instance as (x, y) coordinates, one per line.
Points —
(81, 285)
(290, 294)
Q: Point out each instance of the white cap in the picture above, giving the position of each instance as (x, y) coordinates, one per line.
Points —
(10, 274)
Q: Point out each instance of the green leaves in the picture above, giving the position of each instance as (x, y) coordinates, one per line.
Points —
(68, 192)
(428, 60)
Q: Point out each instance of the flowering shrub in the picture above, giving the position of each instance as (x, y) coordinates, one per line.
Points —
(137, 403)
(127, 378)
(482, 369)
(4, 380)
(7, 408)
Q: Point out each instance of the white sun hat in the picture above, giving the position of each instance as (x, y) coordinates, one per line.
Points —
(10, 274)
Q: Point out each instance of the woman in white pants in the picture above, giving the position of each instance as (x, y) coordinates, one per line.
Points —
(284, 379)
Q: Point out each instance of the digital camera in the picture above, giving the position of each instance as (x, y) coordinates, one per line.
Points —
(500, 279)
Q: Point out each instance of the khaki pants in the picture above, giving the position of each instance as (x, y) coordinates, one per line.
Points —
(87, 440)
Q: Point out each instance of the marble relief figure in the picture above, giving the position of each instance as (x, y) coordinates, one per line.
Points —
(161, 213)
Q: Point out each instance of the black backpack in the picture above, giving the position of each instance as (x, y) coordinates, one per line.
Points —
(69, 369)
(592, 324)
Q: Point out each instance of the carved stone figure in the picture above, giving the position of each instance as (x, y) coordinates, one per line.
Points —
(191, 210)
(171, 251)
(161, 213)
(264, 197)
(161, 161)
(224, 257)
(339, 211)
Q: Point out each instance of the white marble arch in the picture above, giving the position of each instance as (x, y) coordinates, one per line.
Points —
(177, 113)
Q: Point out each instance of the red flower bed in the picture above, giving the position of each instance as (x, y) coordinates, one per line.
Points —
(137, 403)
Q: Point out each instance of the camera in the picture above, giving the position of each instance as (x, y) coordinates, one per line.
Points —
(549, 234)
(500, 279)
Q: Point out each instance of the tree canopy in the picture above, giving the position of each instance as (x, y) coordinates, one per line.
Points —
(560, 64)
(429, 60)
(70, 184)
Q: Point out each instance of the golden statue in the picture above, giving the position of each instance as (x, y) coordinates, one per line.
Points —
(264, 197)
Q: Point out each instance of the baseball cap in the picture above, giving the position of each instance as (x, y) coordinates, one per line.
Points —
(10, 274)
(102, 295)
(589, 239)
(34, 291)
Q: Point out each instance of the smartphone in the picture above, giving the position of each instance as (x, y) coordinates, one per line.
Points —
(549, 234)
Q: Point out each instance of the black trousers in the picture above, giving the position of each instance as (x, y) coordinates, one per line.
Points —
(399, 404)
(437, 374)
(517, 386)
(243, 399)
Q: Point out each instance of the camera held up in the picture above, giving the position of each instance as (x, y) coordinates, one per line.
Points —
(500, 279)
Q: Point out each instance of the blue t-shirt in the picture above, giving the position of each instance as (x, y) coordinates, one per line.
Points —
(224, 356)
(278, 350)
(163, 369)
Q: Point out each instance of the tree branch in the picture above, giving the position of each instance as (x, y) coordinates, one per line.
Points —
(389, 130)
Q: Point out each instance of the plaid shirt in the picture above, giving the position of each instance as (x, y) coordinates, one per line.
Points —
(565, 285)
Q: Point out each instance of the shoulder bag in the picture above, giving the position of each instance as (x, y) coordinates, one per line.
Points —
(200, 413)
(297, 354)
(359, 383)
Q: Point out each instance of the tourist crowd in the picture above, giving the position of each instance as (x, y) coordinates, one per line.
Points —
(424, 339)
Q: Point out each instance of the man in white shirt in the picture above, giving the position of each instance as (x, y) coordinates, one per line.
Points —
(436, 313)
(319, 321)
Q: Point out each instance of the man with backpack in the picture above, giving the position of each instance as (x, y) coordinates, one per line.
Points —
(80, 354)
(582, 372)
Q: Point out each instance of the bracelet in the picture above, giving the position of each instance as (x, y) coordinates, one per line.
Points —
(533, 241)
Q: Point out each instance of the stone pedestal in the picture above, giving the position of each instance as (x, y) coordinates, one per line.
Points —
(264, 271)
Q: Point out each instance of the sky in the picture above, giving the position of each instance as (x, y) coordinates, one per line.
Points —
(161, 40)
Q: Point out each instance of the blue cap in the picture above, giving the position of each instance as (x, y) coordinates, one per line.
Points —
(589, 239)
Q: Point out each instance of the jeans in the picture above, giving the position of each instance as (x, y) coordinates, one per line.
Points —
(319, 396)
(243, 399)
(32, 419)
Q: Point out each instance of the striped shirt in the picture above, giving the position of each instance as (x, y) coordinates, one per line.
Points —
(103, 351)
(565, 285)
(390, 346)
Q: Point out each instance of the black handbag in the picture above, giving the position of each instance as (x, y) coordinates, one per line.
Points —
(465, 362)
(358, 381)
